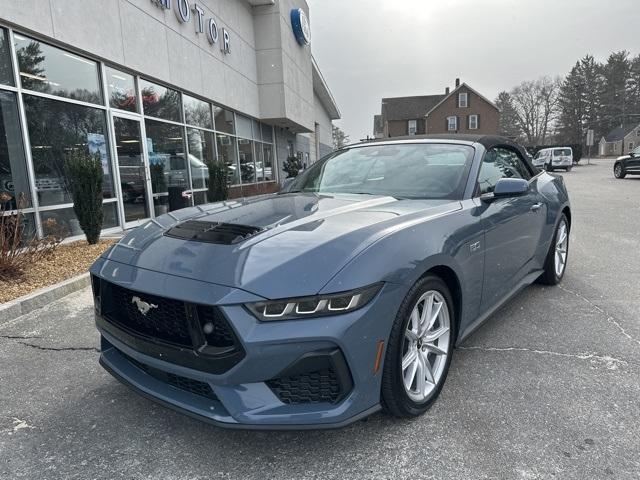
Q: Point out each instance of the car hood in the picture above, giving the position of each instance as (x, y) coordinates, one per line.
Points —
(624, 157)
(302, 242)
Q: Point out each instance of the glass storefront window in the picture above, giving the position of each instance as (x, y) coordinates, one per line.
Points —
(160, 102)
(227, 155)
(267, 133)
(224, 120)
(48, 69)
(267, 159)
(121, 88)
(168, 166)
(57, 128)
(197, 112)
(247, 164)
(13, 164)
(6, 72)
(202, 154)
(66, 222)
(243, 126)
(200, 198)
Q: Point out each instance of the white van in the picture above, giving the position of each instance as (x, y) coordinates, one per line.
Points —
(556, 157)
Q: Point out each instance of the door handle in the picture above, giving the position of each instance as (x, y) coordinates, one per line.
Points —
(536, 206)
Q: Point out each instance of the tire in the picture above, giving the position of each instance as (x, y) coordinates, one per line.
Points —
(398, 399)
(551, 276)
(618, 171)
(568, 169)
(549, 168)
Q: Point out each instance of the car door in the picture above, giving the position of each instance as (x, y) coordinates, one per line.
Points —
(513, 226)
(632, 164)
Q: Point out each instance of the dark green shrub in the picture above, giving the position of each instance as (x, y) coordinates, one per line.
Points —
(85, 176)
(218, 186)
(292, 166)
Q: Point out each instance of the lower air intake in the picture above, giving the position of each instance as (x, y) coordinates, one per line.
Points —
(321, 386)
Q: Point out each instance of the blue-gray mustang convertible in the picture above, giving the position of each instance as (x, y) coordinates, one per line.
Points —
(343, 294)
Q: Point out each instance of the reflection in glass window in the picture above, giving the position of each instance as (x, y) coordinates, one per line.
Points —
(121, 89)
(202, 154)
(6, 72)
(48, 69)
(243, 126)
(168, 166)
(247, 165)
(66, 220)
(224, 120)
(197, 112)
(55, 129)
(267, 159)
(13, 166)
(160, 102)
(227, 155)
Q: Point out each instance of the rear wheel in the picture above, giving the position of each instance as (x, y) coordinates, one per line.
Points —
(618, 171)
(556, 261)
(419, 350)
(549, 167)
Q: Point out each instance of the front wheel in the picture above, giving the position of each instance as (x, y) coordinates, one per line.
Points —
(618, 171)
(419, 350)
(556, 262)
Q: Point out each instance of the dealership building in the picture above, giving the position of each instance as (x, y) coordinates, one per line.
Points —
(172, 95)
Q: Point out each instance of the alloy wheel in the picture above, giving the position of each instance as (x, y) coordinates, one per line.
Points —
(618, 170)
(562, 242)
(426, 345)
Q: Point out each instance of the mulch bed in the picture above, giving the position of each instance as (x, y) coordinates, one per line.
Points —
(67, 261)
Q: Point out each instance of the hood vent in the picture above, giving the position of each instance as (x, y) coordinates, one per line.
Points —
(213, 232)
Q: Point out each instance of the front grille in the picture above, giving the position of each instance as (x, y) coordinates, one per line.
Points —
(190, 385)
(321, 386)
(160, 318)
(213, 232)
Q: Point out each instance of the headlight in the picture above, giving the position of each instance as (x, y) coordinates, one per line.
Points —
(316, 306)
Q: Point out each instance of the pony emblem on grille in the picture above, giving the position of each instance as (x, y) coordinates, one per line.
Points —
(143, 306)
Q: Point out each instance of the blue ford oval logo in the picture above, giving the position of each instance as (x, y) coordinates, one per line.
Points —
(300, 24)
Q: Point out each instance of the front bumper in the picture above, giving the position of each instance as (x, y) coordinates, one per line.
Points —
(245, 392)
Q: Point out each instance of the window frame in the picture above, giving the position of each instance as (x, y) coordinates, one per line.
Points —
(474, 117)
(410, 124)
(466, 99)
(455, 123)
(532, 172)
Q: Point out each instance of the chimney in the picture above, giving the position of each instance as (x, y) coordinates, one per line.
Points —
(446, 91)
(457, 82)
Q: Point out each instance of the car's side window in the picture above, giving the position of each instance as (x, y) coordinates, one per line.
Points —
(500, 163)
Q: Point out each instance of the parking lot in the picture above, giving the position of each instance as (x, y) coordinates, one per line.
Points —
(549, 387)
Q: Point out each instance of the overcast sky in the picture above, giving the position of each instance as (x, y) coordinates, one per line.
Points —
(385, 48)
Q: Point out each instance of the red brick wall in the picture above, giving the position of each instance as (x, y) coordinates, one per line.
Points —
(488, 115)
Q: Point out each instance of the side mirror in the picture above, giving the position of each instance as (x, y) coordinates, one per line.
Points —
(632, 154)
(507, 187)
(286, 184)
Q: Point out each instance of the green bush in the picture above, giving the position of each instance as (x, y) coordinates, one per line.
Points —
(85, 175)
(292, 166)
(218, 186)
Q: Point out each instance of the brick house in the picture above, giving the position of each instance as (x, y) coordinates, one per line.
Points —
(619, 141)
(462, 110)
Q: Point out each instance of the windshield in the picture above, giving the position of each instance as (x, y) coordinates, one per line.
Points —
(636, 151)
(562, 152)
(418, 170)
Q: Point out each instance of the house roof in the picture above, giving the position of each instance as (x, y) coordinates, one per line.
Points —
(453, 92)
(620, 132)
(409, 108)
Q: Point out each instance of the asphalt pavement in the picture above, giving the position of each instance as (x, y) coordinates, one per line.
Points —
(549, 387)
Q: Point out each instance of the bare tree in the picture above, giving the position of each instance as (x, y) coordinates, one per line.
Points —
(536, 107)
(339, 137)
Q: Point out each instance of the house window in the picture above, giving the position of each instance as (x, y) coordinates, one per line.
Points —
(463, 100)
(473, 122)
(630, 146)
(452, 123)
(412, 127)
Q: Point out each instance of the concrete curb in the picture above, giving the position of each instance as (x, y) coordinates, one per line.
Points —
(40, 298)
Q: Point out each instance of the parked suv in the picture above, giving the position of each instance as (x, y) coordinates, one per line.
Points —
(551, 158)
(627, 164)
